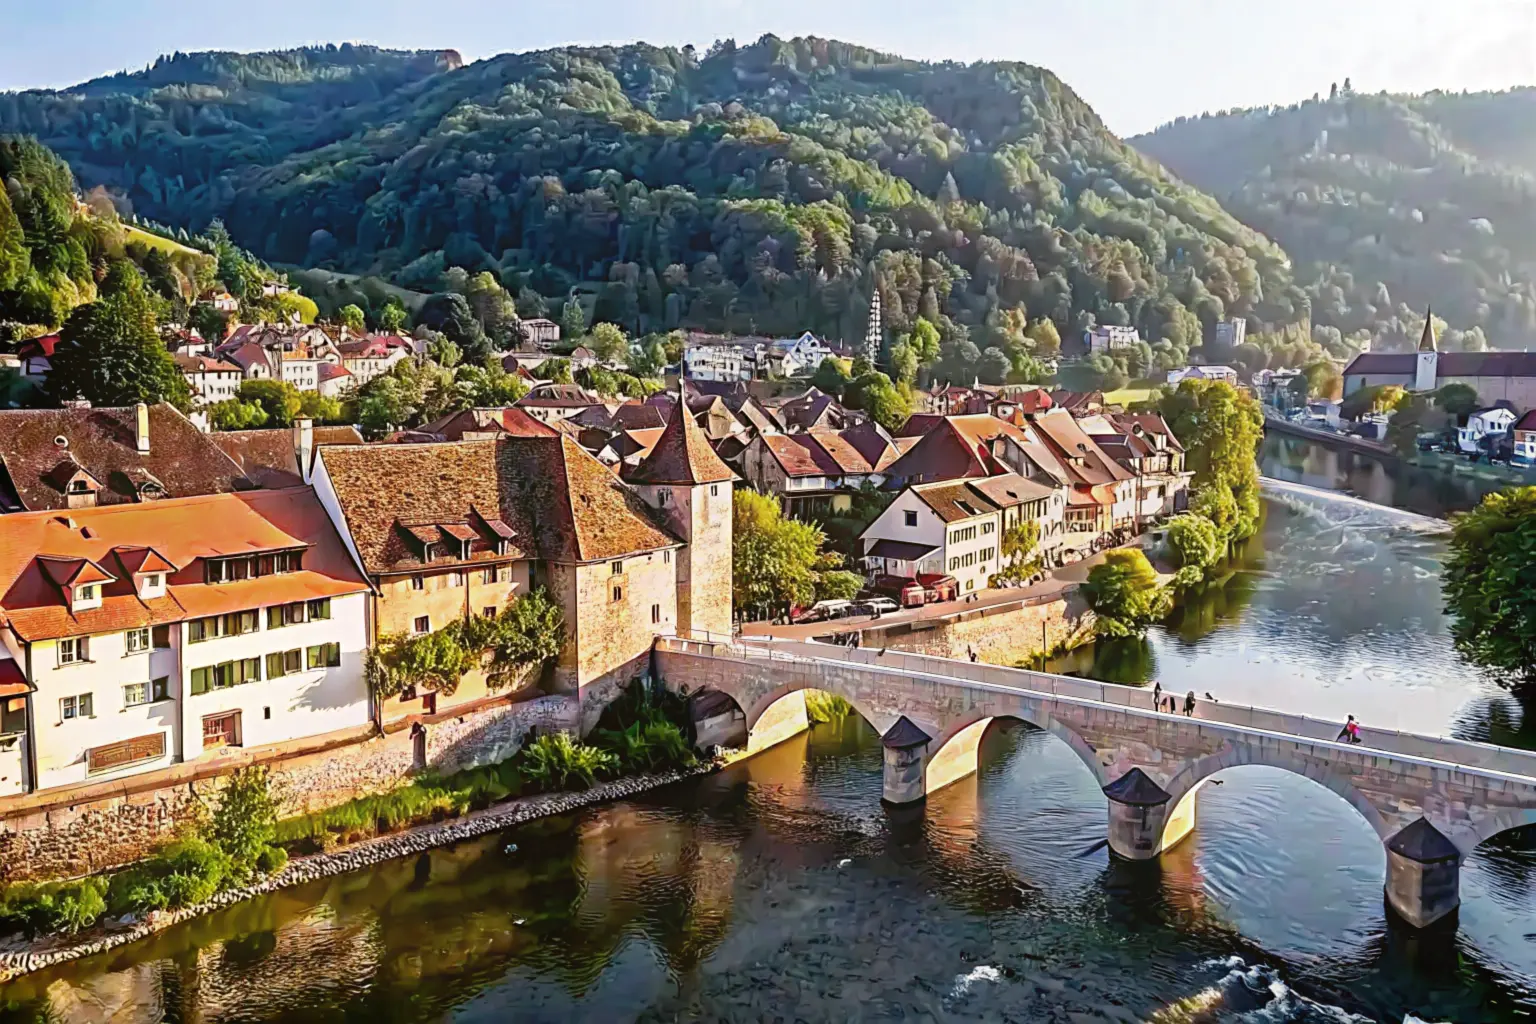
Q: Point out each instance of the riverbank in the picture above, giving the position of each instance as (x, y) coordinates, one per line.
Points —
(17, 959)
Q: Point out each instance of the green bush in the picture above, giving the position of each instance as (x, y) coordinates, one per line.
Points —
(246, 817)
(66, 907)
(557, 762)
(821, 707)
(648, 747)
(271, 860)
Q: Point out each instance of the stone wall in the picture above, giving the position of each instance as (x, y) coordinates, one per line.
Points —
(1007, 634)
(67, 839)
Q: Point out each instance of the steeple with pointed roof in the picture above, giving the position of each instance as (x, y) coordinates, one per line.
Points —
(1427, 339)
(682, 456)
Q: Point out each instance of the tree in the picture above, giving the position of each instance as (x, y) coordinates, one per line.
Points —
(531, 631)
(831, 377)
(1220, 428)
(904, 364)
(245, 822)
(278, 399)
(110, 351)
(1414, 416)
(392, 317)
(924, 341)
(1458, 400)
(608, 343)
(494, 309)
(773, 559)
(1046, 339)
(1323, 378)
(351, 317)
(1019, 540)
(874, 393)
(1124, 594)
(449, 313)
(573, 320)
(233, 414)
(1489, 589)
(556, 370)
(1194, 541)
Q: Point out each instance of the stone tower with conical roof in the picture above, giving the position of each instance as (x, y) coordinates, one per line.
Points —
(685, 481)
(1426, 369)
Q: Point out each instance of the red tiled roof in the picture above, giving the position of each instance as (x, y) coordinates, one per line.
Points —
(560, 503)
(184, 531)
(953, 500)
(34, 347)
(682, 456)
(183, 459)
(268, 457)
(204, 364)
(13, 682)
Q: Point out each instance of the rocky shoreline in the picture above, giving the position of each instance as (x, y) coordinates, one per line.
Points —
(50, 950)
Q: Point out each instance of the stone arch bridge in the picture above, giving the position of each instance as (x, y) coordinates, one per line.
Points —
(1430, 800)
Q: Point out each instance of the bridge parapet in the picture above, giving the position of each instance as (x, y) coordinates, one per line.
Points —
(1465, 791)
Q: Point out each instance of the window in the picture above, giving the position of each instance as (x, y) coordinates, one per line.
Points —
(714, 490)
(283, 663)
(136, 640)
(488, 613)
(324, 656)
(233, 624)
(487, 576)
(152, 581)
(320, 608)
(455, 579)
(135, 693)
(663, 496)
(76, 707)
(618, 593)
(79, 487)
(655, 614)
(417, 583)
(73, 650)
(421, 624)
(504, 574)
(988, 527)
(160, 689)
(910, 517)
(666, 557)
(160, 636)
(226, 674)
(615, 568)
(87, 592)
(245, 567)
(281, 615)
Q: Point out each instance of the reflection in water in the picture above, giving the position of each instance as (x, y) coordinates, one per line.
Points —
(1386, 482)
(781, 888)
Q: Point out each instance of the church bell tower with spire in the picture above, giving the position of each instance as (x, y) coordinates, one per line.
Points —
(1426, 369)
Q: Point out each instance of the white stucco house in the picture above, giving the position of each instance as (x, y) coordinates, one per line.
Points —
(136, 636)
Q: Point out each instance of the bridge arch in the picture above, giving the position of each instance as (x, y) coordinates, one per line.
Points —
(1187, 782)
(954, 752)
(1470, 837)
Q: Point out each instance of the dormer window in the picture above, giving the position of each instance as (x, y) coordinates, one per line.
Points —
(87, 595)
(79, 486)
(152, 585)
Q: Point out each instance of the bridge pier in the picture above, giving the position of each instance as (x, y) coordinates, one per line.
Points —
(1423, 874)
(906, 762)
(1138, 813)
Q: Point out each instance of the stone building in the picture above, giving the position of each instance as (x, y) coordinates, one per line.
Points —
(1495, 376)
(449, 530)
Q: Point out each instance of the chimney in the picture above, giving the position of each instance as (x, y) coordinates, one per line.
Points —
(141, 428)
(304, 444)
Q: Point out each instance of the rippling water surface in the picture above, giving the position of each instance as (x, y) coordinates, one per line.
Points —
(781, 889)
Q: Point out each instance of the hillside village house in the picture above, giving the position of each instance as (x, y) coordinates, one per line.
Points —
(1143, 444)
(472, 526)
(372, 356)
(816, 473)
(539, 330)
(954, 528)
(549, 403)
(134, 636)
(1523, 435)
(724, 359)
(79, 457)
(1497, 420)
(211, 379)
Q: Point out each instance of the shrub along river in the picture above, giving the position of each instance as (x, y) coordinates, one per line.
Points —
(780, 889)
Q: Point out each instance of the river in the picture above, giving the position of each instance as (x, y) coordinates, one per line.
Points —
(781, 889)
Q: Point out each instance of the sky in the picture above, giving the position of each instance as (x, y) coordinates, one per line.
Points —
(1139, 63)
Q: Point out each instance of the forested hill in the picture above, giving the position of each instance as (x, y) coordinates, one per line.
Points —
(758, 188)
(1414, 199)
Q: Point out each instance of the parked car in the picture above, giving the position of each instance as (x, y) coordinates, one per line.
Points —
(878, 606)
(824, 610)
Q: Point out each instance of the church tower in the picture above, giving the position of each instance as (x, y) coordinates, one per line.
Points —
(685, 481)
(875, 331)
(1426, 370)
